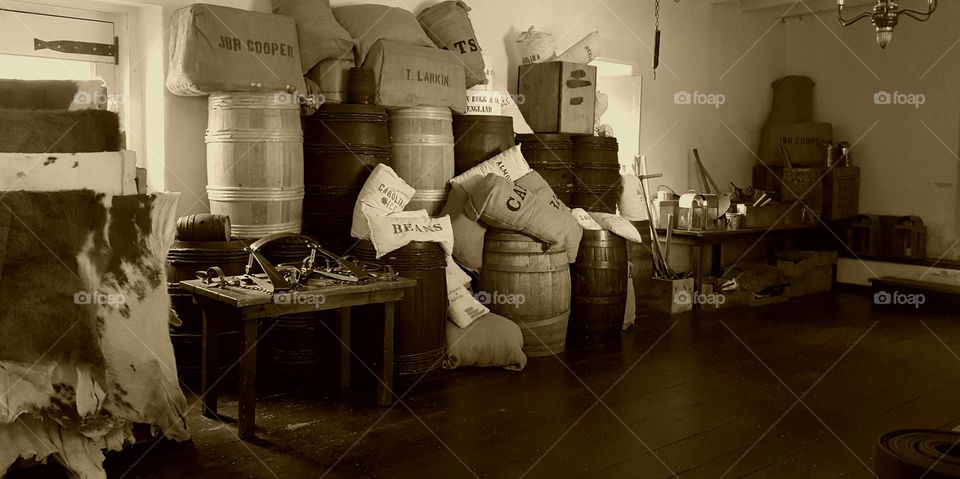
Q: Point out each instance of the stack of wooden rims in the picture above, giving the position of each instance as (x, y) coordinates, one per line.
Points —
(479, 138)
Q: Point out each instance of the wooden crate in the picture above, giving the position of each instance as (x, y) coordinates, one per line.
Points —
(841, 193)
(558, 97)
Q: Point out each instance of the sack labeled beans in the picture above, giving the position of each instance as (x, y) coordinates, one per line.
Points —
(468, 233)
(392, 231)
(509, 164)
(536, 46)
(503, 204)
(384, 190)
(448, 25)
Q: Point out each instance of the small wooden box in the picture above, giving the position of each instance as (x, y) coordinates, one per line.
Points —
(558, 97)
(663, 295)
(841, 193)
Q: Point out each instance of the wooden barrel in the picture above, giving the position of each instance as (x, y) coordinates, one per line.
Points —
(342, 145)
(596, 161)
(361, 87)
(420, 324)
(296, 341)
(479, 138)
(421, 145)
(203, 227)
(599, 283)
(518, 265)
(601, 199)
(185, 258)
(640, 257)
(255, 162)
(551, 155)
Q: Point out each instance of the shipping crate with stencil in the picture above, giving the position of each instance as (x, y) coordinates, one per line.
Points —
(663, 295)
(558, 97)
(214, 48)
(409, 76)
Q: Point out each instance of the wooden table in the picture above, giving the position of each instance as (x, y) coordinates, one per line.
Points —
(714, 239)
(249, 307)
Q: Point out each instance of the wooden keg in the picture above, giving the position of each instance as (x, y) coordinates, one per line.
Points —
(600, 199)
(185, 258)
(361, 86)
(596, 161)
(421, 145)
(342, 145)
(479, 138)
(518, 265)
(255, 162)
(203, 227)
(332, 76)
(421, 321)
(640, 257)
(551, 155)
(599, 284)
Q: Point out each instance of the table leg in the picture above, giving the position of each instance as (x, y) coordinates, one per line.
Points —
(209, 363)
(343, 322)
(696, 266)
(248, 381)
(716, 259)
(385, 390)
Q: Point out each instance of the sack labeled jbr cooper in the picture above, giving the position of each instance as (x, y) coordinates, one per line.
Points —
(214, 49)
(448, 25)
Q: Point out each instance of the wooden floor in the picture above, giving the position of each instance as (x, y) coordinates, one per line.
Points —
(794, 390)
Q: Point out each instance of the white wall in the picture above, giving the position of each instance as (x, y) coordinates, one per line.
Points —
(907, 155)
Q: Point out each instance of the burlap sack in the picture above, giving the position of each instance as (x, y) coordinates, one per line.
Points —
(535, 46)
(586, 221)
(631, 199)
(509, 164)
(462, 307)
(584, 51)
(534, 182)
(369, 23)
(502, 204)
(319, 34)
(448, 25)
(492, 340)
(392, 231)
(468, 233)
(384, 190)
(617, 226)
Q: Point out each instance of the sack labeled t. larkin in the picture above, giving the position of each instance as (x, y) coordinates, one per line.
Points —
(448, 25)
(384, 190)
(216, 49)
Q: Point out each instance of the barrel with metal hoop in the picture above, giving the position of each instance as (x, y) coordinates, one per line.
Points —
(421, 144)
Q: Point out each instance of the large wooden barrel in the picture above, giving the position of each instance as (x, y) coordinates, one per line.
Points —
(421, 143)
(185, 258)
(596, 161)
(551, 155)
(342, 145)
(296, 341)
(255, 162)
(420, 324)
(599, 282)
(528, 282)
(479, 138)
(203, 227)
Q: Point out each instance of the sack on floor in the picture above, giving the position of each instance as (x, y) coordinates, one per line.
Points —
(509, 164)
(535, 183)
(318, 33)
(491, 340)
(448, 25)
(384, 190)
(536, 46)
(392, 231)
(617, 226)
(370, 23)
(467, 233)
(502, 204)
(585, 220)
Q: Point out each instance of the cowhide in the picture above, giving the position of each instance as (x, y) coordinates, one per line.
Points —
(84, 345)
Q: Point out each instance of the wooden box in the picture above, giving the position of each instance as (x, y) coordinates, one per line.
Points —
(841, 193)
(558, 97)
(664, 296)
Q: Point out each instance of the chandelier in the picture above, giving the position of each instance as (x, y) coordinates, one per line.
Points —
(885, 16)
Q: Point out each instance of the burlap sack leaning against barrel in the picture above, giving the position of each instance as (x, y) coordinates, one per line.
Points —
(528, 282)
(448, 25)
(421, 142)
(599, 280)
(255, 162)
(342, 145)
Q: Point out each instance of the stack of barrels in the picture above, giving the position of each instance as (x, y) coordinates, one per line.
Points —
(421, 143)
(551, 155)
(255, 162)
(203, 240)
(479, 138)
(342, 145)
(597, 169)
